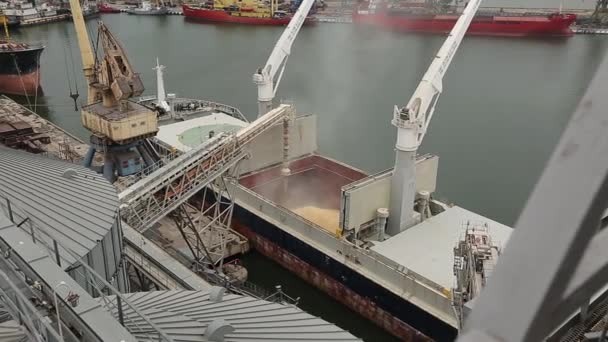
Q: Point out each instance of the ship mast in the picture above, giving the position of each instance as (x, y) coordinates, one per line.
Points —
(412, 122)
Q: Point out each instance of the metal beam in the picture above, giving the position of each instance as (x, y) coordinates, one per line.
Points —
(554, 234)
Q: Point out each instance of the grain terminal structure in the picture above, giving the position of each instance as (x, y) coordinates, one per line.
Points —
(62, 275)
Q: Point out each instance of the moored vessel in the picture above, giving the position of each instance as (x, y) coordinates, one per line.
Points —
(89, 11)
(251, 12)
(105, 7)
(428, 20)
(146, 8)
(19, 65)
(25, 13)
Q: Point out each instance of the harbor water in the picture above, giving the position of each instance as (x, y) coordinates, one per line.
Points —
(504, 105)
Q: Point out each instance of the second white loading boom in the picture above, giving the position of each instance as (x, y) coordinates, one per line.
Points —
(412, 122)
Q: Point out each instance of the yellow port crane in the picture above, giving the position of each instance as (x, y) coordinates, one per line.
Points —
(4, 23)
(119, 126)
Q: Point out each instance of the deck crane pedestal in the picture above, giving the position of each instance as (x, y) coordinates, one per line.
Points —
(118, 126)
(412, 122)
(265, 77)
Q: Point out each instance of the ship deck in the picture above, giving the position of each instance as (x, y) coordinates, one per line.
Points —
(428, 248)
(312, 191)
(185, 135)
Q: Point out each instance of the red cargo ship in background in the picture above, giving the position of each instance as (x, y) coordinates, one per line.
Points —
(235, 15)
(104, 7)
(421, 19)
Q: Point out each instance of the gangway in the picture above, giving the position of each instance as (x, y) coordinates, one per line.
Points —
(164, 190)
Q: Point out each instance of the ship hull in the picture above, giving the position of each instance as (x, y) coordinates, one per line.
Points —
(219, 16)
(161, 11)
(502, 26)
(20, 71)
(370, 300)
(105, 8)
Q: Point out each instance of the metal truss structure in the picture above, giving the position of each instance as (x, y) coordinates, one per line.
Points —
(168, 187)
(206, 227)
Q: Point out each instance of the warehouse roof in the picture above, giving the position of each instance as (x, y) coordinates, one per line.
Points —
(74, 204)
(198, 316)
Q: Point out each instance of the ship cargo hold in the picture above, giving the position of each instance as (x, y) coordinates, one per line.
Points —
(484, 24)
(319, 223)
(19, 67)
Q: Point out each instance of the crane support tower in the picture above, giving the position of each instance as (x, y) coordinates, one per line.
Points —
(265, 77)
(412, 122)
(119, 126)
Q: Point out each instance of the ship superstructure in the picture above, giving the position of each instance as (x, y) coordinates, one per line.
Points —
(147, 8)
(475, 257)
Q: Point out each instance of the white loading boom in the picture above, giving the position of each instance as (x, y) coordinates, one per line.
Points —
(413, 121)
(421, 106)
(265, 77)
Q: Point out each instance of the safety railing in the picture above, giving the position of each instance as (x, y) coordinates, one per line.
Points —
(22, 310)
(103, 289)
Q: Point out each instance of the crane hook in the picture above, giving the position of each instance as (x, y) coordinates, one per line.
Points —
(74, 97)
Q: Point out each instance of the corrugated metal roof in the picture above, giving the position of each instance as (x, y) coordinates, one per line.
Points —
(78, 211)
(11, 331)
(185, 316)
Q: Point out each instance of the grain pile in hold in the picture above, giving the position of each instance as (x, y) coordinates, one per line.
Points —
(326, 218)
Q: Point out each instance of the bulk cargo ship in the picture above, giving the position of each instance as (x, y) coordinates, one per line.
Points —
(325, 223)
(19, 66)
(238, 12)
(379, 244)
(424, 19)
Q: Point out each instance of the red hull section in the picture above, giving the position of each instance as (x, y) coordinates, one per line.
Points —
(105, 8)
(510, 26)
(363, 306)
(222, 16)
(26, 84)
